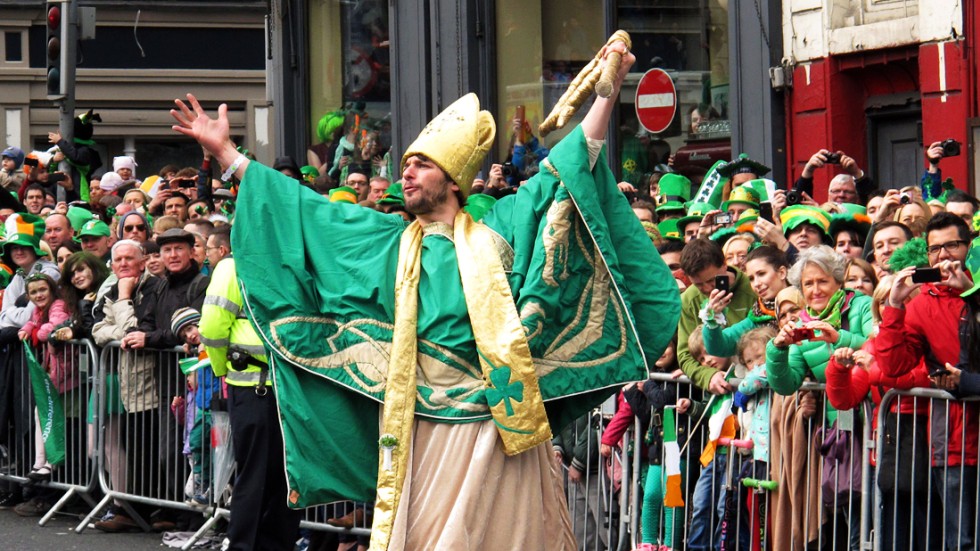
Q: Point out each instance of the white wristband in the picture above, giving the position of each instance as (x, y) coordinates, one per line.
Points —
(232, 168)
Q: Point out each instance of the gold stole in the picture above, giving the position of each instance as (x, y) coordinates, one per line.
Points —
(505, 359)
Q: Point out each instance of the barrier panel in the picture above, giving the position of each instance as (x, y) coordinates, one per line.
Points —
(140, 434)
(67, 465)
(815, 482)
(926, 494)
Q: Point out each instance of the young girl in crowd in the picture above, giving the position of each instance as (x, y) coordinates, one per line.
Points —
(756, 421)
(646, 400)
(49, 312)
(83, 275)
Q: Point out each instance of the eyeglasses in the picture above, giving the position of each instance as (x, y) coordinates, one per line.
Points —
(135, 227)
(951, 247)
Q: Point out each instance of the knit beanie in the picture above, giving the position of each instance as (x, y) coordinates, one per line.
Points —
(182, 318)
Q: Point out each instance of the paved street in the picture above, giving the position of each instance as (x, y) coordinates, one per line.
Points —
(23, 534)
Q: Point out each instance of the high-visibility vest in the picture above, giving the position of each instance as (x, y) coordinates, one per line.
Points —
(223, 324)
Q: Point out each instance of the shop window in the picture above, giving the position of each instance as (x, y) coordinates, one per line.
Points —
(690, 42)
(367, 80)
(541, 46)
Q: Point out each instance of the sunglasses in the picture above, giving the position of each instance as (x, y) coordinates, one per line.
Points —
(134, 227)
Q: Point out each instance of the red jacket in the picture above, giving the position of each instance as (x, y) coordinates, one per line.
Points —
(622, 420)
(928, 330)
(848, 386)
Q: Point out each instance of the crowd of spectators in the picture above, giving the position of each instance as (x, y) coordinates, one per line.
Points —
(867, 292)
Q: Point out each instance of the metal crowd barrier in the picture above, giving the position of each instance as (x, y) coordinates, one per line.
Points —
(926, 497)
(22, 444)
(140, 437)
(816, 510)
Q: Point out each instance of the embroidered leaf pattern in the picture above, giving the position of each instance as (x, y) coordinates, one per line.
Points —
(503, 389)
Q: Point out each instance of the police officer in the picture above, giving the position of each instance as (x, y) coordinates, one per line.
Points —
(260, 518)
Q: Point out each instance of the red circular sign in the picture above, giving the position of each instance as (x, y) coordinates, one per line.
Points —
(656, 100)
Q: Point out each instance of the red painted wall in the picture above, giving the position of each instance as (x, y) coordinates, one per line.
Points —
(826, 108)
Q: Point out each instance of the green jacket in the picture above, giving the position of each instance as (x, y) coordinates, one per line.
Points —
(787, 367)
(691, 301)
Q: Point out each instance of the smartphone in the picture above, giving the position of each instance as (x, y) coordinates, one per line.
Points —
(926, 275)
(519, 112)
(56, 177)
(723, 218)
(765, 212)
(803, 334)
(936, 369)
(722, 283)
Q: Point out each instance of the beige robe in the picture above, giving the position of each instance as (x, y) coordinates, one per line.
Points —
(474, 497)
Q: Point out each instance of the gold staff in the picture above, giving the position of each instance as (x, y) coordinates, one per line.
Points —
(594, 76)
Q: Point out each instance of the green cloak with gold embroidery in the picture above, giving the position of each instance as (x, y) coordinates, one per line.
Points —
(597, 302)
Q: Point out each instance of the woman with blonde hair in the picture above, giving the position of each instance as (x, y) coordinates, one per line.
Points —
(913, 211)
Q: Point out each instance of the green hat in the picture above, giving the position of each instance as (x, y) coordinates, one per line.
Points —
(77, 216)
(669, 230)
(675, 191)
(723, 235)
(6, 274)
(742, 195)
(695, 213)
(393, 195)
(743, 165)
(855, 218)
(25, 230)
(746, 221)
(93, 228)
(343, 194)
(478, 204)
(653, 232)
(309, 173)
(793, 216)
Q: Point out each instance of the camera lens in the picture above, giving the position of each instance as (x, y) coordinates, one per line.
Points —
(905, 199)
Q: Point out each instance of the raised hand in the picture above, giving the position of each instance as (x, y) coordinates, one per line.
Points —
(213, 134)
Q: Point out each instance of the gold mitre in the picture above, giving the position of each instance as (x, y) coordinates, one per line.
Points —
(457, 140)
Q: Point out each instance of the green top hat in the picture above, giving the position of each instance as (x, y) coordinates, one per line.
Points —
(77, 216)
(855, 218)
(793, 216)
(669, 230)
(343, 194)
(93, 228)
(742, 195)
(743, 165)
(24, 230)
(695, 213)
(675, 191)
(393, 195)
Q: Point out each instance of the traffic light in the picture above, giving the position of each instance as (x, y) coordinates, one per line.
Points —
(58, 44)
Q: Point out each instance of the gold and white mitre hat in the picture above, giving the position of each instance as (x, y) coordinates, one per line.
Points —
(457, 140)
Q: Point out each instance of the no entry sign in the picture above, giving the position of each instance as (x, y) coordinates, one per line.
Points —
(656, 100)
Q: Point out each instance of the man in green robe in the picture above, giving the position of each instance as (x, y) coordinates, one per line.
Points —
(480, 331)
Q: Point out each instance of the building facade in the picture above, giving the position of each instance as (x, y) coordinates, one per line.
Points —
(144, 54)
(524, 53)
(879, 80)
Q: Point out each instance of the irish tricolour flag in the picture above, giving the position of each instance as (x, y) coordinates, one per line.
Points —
(674, 496)
(721, 424)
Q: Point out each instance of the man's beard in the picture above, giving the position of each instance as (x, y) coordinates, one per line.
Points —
(426, 201)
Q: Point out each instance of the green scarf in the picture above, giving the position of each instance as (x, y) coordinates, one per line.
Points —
(832, 312)
(763, 312)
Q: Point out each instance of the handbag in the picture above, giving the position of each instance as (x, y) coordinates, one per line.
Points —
(903, 459)
(840, 478)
